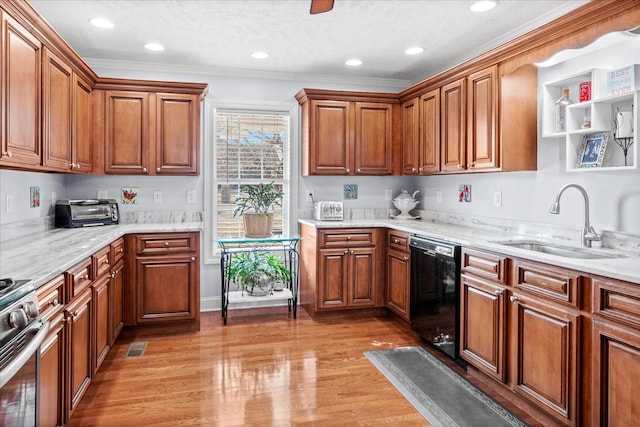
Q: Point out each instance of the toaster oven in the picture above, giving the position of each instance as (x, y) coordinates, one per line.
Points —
(328, 211)
(86, 213)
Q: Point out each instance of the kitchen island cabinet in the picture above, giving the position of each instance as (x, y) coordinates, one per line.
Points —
(349, 133)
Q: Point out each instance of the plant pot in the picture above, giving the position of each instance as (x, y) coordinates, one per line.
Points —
(257, 224)
(260, 287)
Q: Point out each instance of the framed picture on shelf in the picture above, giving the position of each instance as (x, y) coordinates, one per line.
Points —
(592, 150)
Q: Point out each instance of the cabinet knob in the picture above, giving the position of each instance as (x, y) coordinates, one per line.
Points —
(348, 170)
(193, 258)
(358, 171)
(406, 258)
(85, 277)
(352, 252)
(106, 261)
(513, 298)
(144, 170)
(420, 169)
(158, 170)
(54, 302)
(498, 292)
(396, 241)
(166, 244)
(471, 166)
(346, 251)
(348, 237)
(8, 154)
(121, 250)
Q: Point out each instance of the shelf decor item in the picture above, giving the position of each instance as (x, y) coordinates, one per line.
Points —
(585, 91)
(561, 110)
(623, 80)
(255, 204)
(592, 150)
(623, 130)
(258, 272)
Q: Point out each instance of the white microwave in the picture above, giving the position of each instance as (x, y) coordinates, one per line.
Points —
(328, 211)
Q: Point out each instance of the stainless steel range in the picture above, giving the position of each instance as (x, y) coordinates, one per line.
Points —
(21, 333)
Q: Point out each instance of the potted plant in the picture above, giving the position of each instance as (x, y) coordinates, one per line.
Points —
(258, 272)
(255, 204)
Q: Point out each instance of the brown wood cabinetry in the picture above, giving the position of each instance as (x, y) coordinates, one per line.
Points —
(398, 274)
(615, 360)
(342, 270)
(116, 295)
(163, 285)
(148, 132)
(21, 59)
(349, 133)
(453, 131)
(52, 351)
(482, 120)
(483, 311)
(421, 133)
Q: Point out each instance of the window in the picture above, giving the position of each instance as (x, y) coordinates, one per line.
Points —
(251, 147)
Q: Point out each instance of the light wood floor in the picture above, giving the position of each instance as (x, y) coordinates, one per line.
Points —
(262, 369)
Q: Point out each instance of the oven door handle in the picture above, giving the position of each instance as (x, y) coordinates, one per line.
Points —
(19, 361)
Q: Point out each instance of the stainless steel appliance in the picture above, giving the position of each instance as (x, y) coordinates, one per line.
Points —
(21, 334)
(328, 211)
(86, 213)
(435, 289)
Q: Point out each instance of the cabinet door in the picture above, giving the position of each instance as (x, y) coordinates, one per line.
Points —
(20, 54)
(81, 136)
(373, 138)
(333, 276)
(116, 302)
(78, 359)
(410, 135)
(330, 138)
(57, 93)
(362, 280)
(166, 288)
(429, 145)
(616, 375)
(453, 127)
(398, 283)
(482, 116)
(544, 350)
(127, 132)
(177, 134)
(483, 326)
(101, 326)
(50, 401)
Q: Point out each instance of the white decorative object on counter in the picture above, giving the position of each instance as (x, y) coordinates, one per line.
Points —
(405, 202)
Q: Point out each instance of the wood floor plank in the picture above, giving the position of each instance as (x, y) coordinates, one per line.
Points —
(262, 369)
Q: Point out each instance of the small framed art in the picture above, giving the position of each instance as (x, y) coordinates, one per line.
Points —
(592, 150)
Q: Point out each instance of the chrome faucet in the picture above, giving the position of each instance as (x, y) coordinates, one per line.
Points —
(588, 233)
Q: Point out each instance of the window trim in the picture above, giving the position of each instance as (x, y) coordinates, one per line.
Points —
(211, 252)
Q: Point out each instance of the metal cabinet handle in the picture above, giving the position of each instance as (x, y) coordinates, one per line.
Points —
(54, 302)
(85, 277)
(396, 241)
(166, 244)
(106, 261)
(348, 170)
(358, 171)
(158, 170)
(193, 258)
(346, 251)
(144, 170)
(8, 154)
(513, 298)
(406, 258)
(498, 292)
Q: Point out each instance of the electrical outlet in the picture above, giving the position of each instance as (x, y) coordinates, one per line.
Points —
(497, 198)
(8, 206)
(191, 196)
(157, 196)
(102, 194)
(309, 196)
(439, 197)
(388, 194)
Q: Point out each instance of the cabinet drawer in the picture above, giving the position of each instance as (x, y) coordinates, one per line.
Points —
(484, 264)
(101, 264)
(557, 284)
(51, 298)
(616, 300)
(165, 243)
(348, 237)
(117, 250)
(79, 279)
(398, 241)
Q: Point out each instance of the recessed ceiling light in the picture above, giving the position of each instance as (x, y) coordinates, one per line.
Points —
(353, 62)
(154, 46)
(101, 23)
(483, 5)
(414, 50)
(260, 55)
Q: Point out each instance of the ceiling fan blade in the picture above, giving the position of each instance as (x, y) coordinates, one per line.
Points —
(321, 6)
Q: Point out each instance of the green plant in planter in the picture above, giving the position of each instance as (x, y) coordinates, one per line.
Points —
(257, 271)
(258, 198)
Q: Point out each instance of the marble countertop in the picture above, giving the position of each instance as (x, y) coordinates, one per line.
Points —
(43, 255)
(626, 268)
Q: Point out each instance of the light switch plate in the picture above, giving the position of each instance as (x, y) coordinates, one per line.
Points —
(388, 194)
(157, 196)
(102, 194)
(439, 197)
(191, 196)
(497, 198)
(8, 206)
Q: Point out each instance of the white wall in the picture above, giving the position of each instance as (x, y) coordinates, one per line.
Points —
(18, 185)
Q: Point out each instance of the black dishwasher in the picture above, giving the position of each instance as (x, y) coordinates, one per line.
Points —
(435, 289)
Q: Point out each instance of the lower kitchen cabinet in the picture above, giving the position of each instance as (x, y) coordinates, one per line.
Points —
(398, 274)
(78, 365)
(116, 302)
(163, 284)
(50, 403)
(101, 315)
(340, 269)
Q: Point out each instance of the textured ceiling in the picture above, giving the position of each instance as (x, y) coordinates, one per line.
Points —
(219, 35)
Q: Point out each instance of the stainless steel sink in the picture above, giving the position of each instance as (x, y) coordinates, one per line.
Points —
(564, 251)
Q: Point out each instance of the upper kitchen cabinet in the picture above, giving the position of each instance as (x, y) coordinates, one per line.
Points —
(484, 121)
(349, 133)
(66, 119)
(20, 57)
(147, 128)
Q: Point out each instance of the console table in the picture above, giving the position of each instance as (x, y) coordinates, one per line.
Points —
(286, 245)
